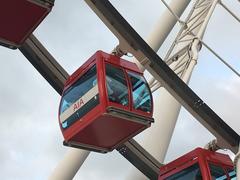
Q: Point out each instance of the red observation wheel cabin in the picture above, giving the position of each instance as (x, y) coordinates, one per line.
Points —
(199, 164)
(19, 18)
(104, 103)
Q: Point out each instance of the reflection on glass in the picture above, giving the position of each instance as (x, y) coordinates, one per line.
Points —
(232, 174)
(79, 88)
(141, 93)
(190, 173)
(116, 85)
(217, 173)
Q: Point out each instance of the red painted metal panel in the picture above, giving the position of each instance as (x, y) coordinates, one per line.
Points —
(108, 132)
(19, 18)
(178, 169)
(199, 155)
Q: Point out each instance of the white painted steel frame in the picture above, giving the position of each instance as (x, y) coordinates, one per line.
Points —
(167, 114)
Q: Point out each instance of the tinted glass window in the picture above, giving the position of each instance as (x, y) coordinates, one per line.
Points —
(80, 98)
(79, 88)
(192, 172)
(217, 173)
(141, 94)
(116, 85)
(232, 174)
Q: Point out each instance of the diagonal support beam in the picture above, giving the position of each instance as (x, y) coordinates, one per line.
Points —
(49, 68)
(131, 42)
(45, 63)
(140, 158)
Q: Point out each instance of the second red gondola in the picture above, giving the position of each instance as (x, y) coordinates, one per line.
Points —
(19, 18)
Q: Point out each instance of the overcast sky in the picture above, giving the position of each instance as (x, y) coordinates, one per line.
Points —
(31, 141)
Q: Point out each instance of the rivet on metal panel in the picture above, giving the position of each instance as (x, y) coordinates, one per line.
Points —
(198, 103)
(123, 150)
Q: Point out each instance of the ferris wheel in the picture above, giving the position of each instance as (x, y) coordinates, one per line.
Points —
(107, 101)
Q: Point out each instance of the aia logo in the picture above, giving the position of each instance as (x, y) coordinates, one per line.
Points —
(78, 105)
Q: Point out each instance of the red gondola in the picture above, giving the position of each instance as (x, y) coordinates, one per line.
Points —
(104, 103)
(199, 164)
(19, 18)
